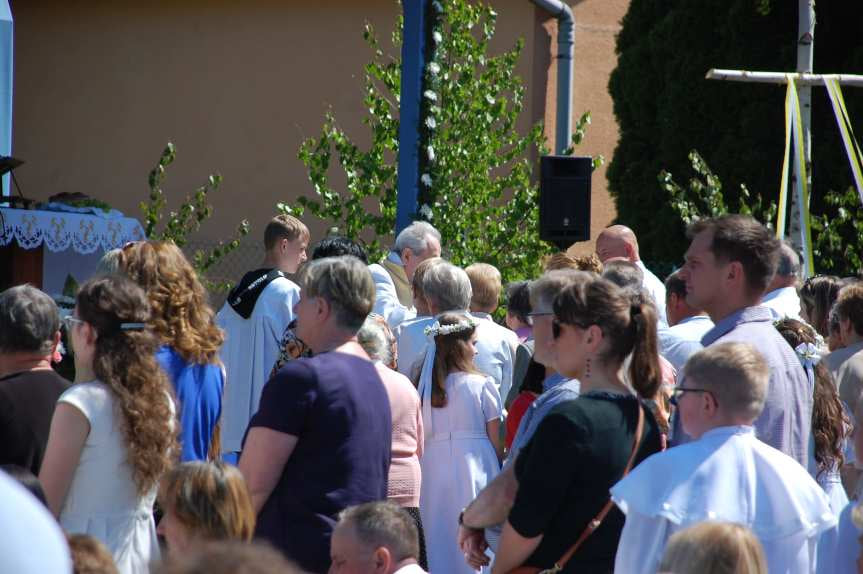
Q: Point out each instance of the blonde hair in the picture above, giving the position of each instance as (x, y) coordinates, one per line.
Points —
(284, 226)
(735, 373)
(485, 284)
(89, 556)
(714, 548)
(210, 499)
(180, 315)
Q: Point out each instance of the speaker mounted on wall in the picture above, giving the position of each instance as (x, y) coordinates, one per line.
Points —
(564, 199)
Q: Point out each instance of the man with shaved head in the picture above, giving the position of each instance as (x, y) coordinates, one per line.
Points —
(619, 242)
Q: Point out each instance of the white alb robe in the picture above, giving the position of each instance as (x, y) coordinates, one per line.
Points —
(727, 475)
(249, 353)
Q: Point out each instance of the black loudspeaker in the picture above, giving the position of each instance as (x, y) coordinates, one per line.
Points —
(564, 199)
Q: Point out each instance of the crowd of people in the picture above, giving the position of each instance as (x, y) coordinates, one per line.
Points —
(346, 417)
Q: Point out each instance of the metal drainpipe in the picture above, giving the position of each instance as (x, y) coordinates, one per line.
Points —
(565, 49)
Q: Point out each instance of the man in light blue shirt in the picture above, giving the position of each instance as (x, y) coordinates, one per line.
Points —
(729, 264)
(687, 325)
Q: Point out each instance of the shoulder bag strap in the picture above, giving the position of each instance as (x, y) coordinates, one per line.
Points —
(597, 520)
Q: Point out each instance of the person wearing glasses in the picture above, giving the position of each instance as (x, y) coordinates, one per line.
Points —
(725, 474)
(562, 513)
(29, 387)
(113, 433)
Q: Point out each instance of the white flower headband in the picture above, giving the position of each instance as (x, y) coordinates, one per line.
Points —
(436, 328)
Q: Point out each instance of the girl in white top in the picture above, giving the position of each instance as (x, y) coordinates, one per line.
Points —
(461, 422)
(112, 436)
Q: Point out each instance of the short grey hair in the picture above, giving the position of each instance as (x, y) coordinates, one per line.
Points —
(448, 287)
(736, 374)
(29, 319)
(623, 273)
(383, 525)
(415, 237)
(375, 340)
(545, 289)
(345, 283)
(789, 261)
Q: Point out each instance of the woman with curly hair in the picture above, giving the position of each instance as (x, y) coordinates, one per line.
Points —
(830, 424)
(113, 433)
(190, 340)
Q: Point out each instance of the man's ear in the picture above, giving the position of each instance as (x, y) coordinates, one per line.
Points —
(406, 255)
(56, 357)
(382, 560)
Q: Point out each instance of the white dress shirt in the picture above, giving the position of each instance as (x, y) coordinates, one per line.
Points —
(495, 347)
(783, 302)
(656, 288)
(387, 303)
(678, 342)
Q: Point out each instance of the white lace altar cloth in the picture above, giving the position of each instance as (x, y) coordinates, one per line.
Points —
(58, 231)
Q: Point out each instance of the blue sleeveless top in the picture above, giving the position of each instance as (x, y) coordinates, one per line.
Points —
(199, 396)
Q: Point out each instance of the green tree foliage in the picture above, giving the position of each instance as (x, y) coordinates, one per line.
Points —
(475, 177)
(178, 225)
(665, 107)
(836, 237)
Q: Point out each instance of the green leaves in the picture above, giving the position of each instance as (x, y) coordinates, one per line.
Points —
(476, 183)
(179, 224)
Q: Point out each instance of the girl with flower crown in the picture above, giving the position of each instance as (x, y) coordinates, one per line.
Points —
(463, 448)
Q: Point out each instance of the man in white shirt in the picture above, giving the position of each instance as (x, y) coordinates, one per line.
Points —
(781, 296)
(447, 288)
(726, 474)
(687, 325)
(254, 318)
(375, 538)
(393, 299)
(620, 241)
(495, 341)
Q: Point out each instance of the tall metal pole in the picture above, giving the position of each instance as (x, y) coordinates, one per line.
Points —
(413, 65)
(805, 45)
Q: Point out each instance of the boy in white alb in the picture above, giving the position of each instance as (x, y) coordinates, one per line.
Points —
(254, 318)
(726, 474)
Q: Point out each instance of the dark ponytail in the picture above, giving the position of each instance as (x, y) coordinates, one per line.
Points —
(628, 322)
(645, 374)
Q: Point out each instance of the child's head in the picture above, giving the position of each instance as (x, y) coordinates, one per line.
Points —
(724, 384)
(455, 344)
(714, 548)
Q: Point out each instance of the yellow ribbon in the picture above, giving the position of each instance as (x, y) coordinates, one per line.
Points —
(852, 148)
(783, 182)
(794, 126)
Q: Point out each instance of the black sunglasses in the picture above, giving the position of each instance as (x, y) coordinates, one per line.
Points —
(556, 327)
(678, 392)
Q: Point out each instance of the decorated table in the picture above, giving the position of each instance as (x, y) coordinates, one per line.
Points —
(69, 241)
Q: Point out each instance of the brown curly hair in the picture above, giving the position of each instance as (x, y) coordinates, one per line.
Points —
(830, 424)
(125, 361)
(180, 315)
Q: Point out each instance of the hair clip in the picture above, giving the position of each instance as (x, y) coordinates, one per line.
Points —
(132, 326)
(808, 354)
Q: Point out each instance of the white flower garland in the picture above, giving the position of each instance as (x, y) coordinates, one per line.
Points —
(436, 328)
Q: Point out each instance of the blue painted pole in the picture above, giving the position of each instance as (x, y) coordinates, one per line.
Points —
(5, 86)
(413, 66)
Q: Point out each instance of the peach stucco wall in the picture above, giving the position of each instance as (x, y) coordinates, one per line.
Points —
(100, 87)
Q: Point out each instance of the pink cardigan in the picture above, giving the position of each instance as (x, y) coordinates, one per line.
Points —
(405, 477)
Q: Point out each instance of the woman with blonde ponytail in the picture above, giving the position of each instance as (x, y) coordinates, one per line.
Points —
(113, 433)
(585, 445)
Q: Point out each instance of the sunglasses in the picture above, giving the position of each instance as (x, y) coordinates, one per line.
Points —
(557, 327)
(678, 392)
(70, 321)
